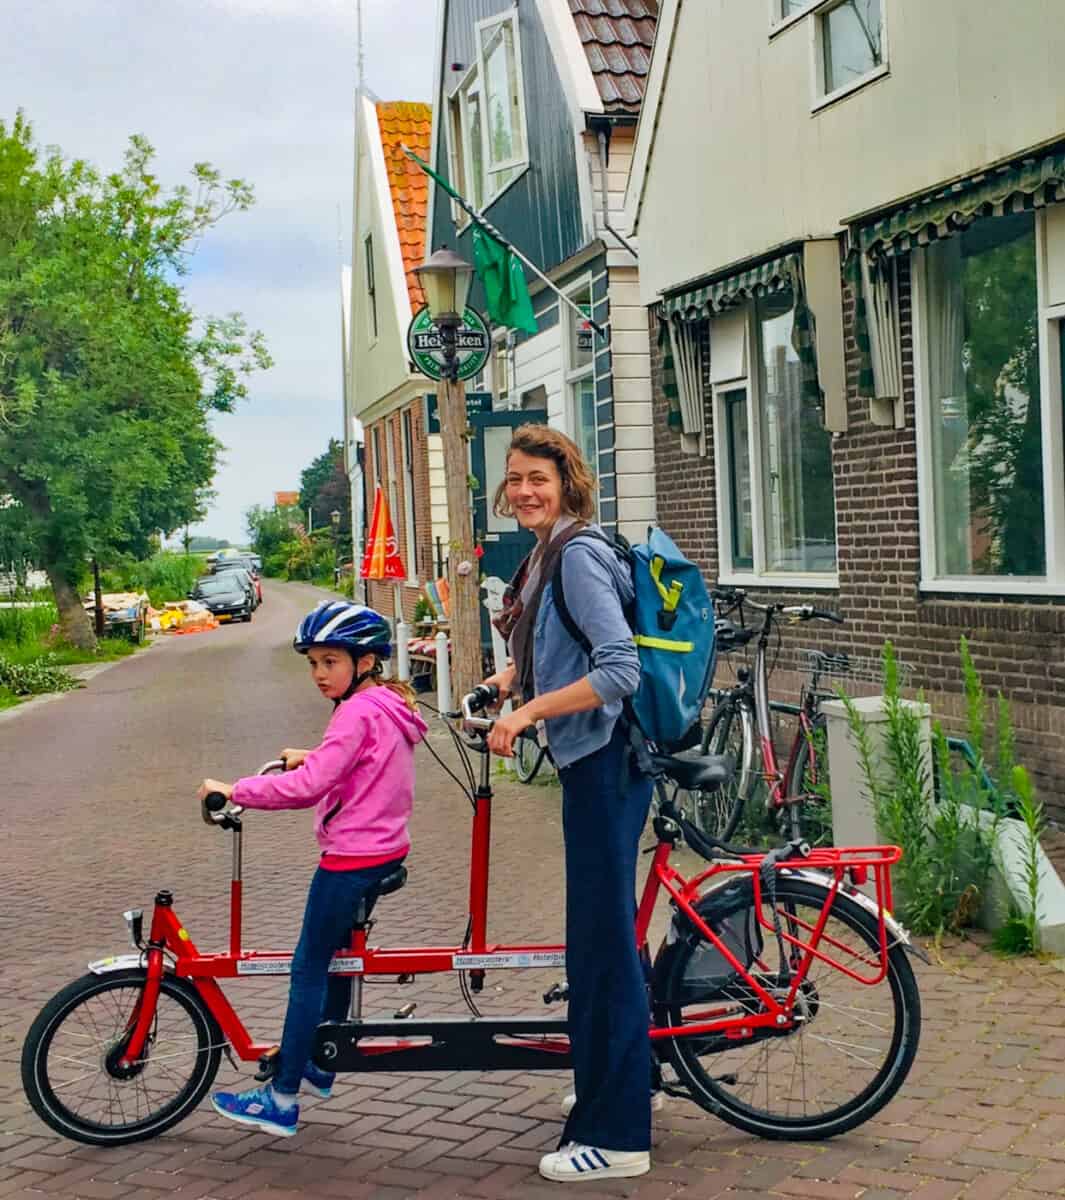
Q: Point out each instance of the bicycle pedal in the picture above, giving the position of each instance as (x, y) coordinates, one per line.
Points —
(401, 1014)
(268, 1065)
(556, 993)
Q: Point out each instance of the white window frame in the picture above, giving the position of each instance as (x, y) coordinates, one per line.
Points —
(406, 421)
(476, 74)
(573, 375)
(510, 17)
(728, 572)
(778, 22)
(1050, 384)
(820, 98)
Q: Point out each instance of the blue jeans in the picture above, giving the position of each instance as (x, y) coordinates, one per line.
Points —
(604, 807)
(315, 995)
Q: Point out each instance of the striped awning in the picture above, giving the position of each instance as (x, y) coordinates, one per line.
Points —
(1033, 183)
(710, 298)
(776, 275)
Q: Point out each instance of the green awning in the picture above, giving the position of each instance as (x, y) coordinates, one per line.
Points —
(1033, 183)
(710, 298)
(776, 275)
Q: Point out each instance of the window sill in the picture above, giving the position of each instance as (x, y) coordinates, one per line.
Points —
(827, 583)
(488, 203)
(992, 588)
(849, 89)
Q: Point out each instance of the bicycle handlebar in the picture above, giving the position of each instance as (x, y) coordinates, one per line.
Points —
(217, 810)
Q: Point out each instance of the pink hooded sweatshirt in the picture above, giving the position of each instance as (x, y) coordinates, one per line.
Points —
(361, 778)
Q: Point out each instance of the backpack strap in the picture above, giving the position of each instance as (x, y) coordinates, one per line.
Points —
(558, 594)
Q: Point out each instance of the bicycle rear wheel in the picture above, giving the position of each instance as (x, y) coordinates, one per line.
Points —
(809, 778)
(70, 1061)
(730, 730)
(840, 1064)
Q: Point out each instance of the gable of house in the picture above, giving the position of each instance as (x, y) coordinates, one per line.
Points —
(404, 123)
(617, 36)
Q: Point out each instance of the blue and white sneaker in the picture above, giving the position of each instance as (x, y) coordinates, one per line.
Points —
(259, 1109)
(575, 1162)
(317, 1082)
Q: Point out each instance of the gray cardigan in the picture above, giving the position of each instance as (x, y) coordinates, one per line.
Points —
(597, 587)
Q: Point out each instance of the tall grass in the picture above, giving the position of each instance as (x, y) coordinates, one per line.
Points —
(25, 626)
(165, 576)
(947, 845)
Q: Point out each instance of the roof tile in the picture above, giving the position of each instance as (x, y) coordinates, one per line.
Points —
(403, 123)
(617, 36)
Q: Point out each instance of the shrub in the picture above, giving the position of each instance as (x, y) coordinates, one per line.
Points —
(947, 846)
(35, 677)
(168, 575)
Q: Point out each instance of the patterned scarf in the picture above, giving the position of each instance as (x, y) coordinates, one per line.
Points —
(521, 600)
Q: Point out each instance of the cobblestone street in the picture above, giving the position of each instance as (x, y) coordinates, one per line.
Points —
(100, 812)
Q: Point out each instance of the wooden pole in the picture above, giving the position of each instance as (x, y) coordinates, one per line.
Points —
(98, 598)
(465, 620)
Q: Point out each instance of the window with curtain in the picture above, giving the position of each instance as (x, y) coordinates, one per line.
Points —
(798, 501)
(984, 412)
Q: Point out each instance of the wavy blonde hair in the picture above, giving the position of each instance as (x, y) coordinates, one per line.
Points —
(578, 482)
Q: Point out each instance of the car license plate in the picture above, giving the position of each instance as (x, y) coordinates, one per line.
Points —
(224, 617)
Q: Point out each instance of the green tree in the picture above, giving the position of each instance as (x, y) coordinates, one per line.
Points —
(107, 378)
(324, 488)
(271, 529)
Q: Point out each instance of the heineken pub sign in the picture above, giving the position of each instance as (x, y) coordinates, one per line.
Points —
(425, 344)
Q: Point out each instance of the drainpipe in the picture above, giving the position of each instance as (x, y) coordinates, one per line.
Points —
(602, 137)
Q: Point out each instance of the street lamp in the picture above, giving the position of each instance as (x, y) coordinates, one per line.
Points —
(334, 516)
(445, 278)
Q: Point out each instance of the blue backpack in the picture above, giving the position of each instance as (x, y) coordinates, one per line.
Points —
(672, 622)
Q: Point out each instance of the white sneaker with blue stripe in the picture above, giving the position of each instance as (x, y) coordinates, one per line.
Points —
(575, 1162)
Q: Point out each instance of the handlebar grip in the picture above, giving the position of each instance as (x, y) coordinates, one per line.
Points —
(214, 802)
(482, 696)
(823, 615)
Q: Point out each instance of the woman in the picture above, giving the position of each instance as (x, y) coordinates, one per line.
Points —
(578, 698)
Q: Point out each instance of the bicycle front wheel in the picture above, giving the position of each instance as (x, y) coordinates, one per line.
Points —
(70, 1062)
(851, 1046)
(528, 756)
(729, 731)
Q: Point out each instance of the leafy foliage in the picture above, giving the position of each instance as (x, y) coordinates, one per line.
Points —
(324, 488)
(107, 379)
(946, 823)
(1019, 933)
(271, 529)
(35, 677)
(164, 576)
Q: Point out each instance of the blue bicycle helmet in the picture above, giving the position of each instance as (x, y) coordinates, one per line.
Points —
(352, 627)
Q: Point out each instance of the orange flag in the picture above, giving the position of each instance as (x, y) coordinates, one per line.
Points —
(382, 560)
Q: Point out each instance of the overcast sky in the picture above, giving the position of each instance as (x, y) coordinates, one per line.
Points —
(263, 89)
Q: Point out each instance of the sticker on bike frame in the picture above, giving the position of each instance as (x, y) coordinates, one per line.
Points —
(283, 966)
(535, 958)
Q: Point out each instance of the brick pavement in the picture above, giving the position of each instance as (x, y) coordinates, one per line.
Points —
(101, 825)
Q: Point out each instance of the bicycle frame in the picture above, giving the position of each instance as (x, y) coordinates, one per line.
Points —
(508, 1043)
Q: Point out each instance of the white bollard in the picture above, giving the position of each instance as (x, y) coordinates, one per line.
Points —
(493, 588)
(443, 674)
(403, 651)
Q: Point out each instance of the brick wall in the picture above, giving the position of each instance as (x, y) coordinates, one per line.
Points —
(420, 558)
(1018, 646)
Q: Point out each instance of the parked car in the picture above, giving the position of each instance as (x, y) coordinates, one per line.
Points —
(226, 595)
(239, 567)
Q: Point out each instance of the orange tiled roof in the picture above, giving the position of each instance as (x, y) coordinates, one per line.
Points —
(405, 123)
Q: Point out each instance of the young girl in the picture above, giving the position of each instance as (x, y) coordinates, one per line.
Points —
(362, 780)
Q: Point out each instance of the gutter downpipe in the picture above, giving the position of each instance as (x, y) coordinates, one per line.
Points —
(604, 193)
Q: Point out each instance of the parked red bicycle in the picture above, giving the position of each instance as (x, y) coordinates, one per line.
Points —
(781, 998)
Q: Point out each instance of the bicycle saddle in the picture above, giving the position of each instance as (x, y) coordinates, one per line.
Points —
(706, 773)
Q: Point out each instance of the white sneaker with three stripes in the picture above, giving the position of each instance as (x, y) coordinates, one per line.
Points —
(575, 1162)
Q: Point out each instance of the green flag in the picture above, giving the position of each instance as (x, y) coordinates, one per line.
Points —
(498, 267)
(501, 274)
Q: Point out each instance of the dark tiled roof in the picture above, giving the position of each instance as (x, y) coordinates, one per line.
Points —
(617, 36)
(409, 124)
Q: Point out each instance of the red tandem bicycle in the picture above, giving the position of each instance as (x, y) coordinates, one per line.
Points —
(781, 998)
